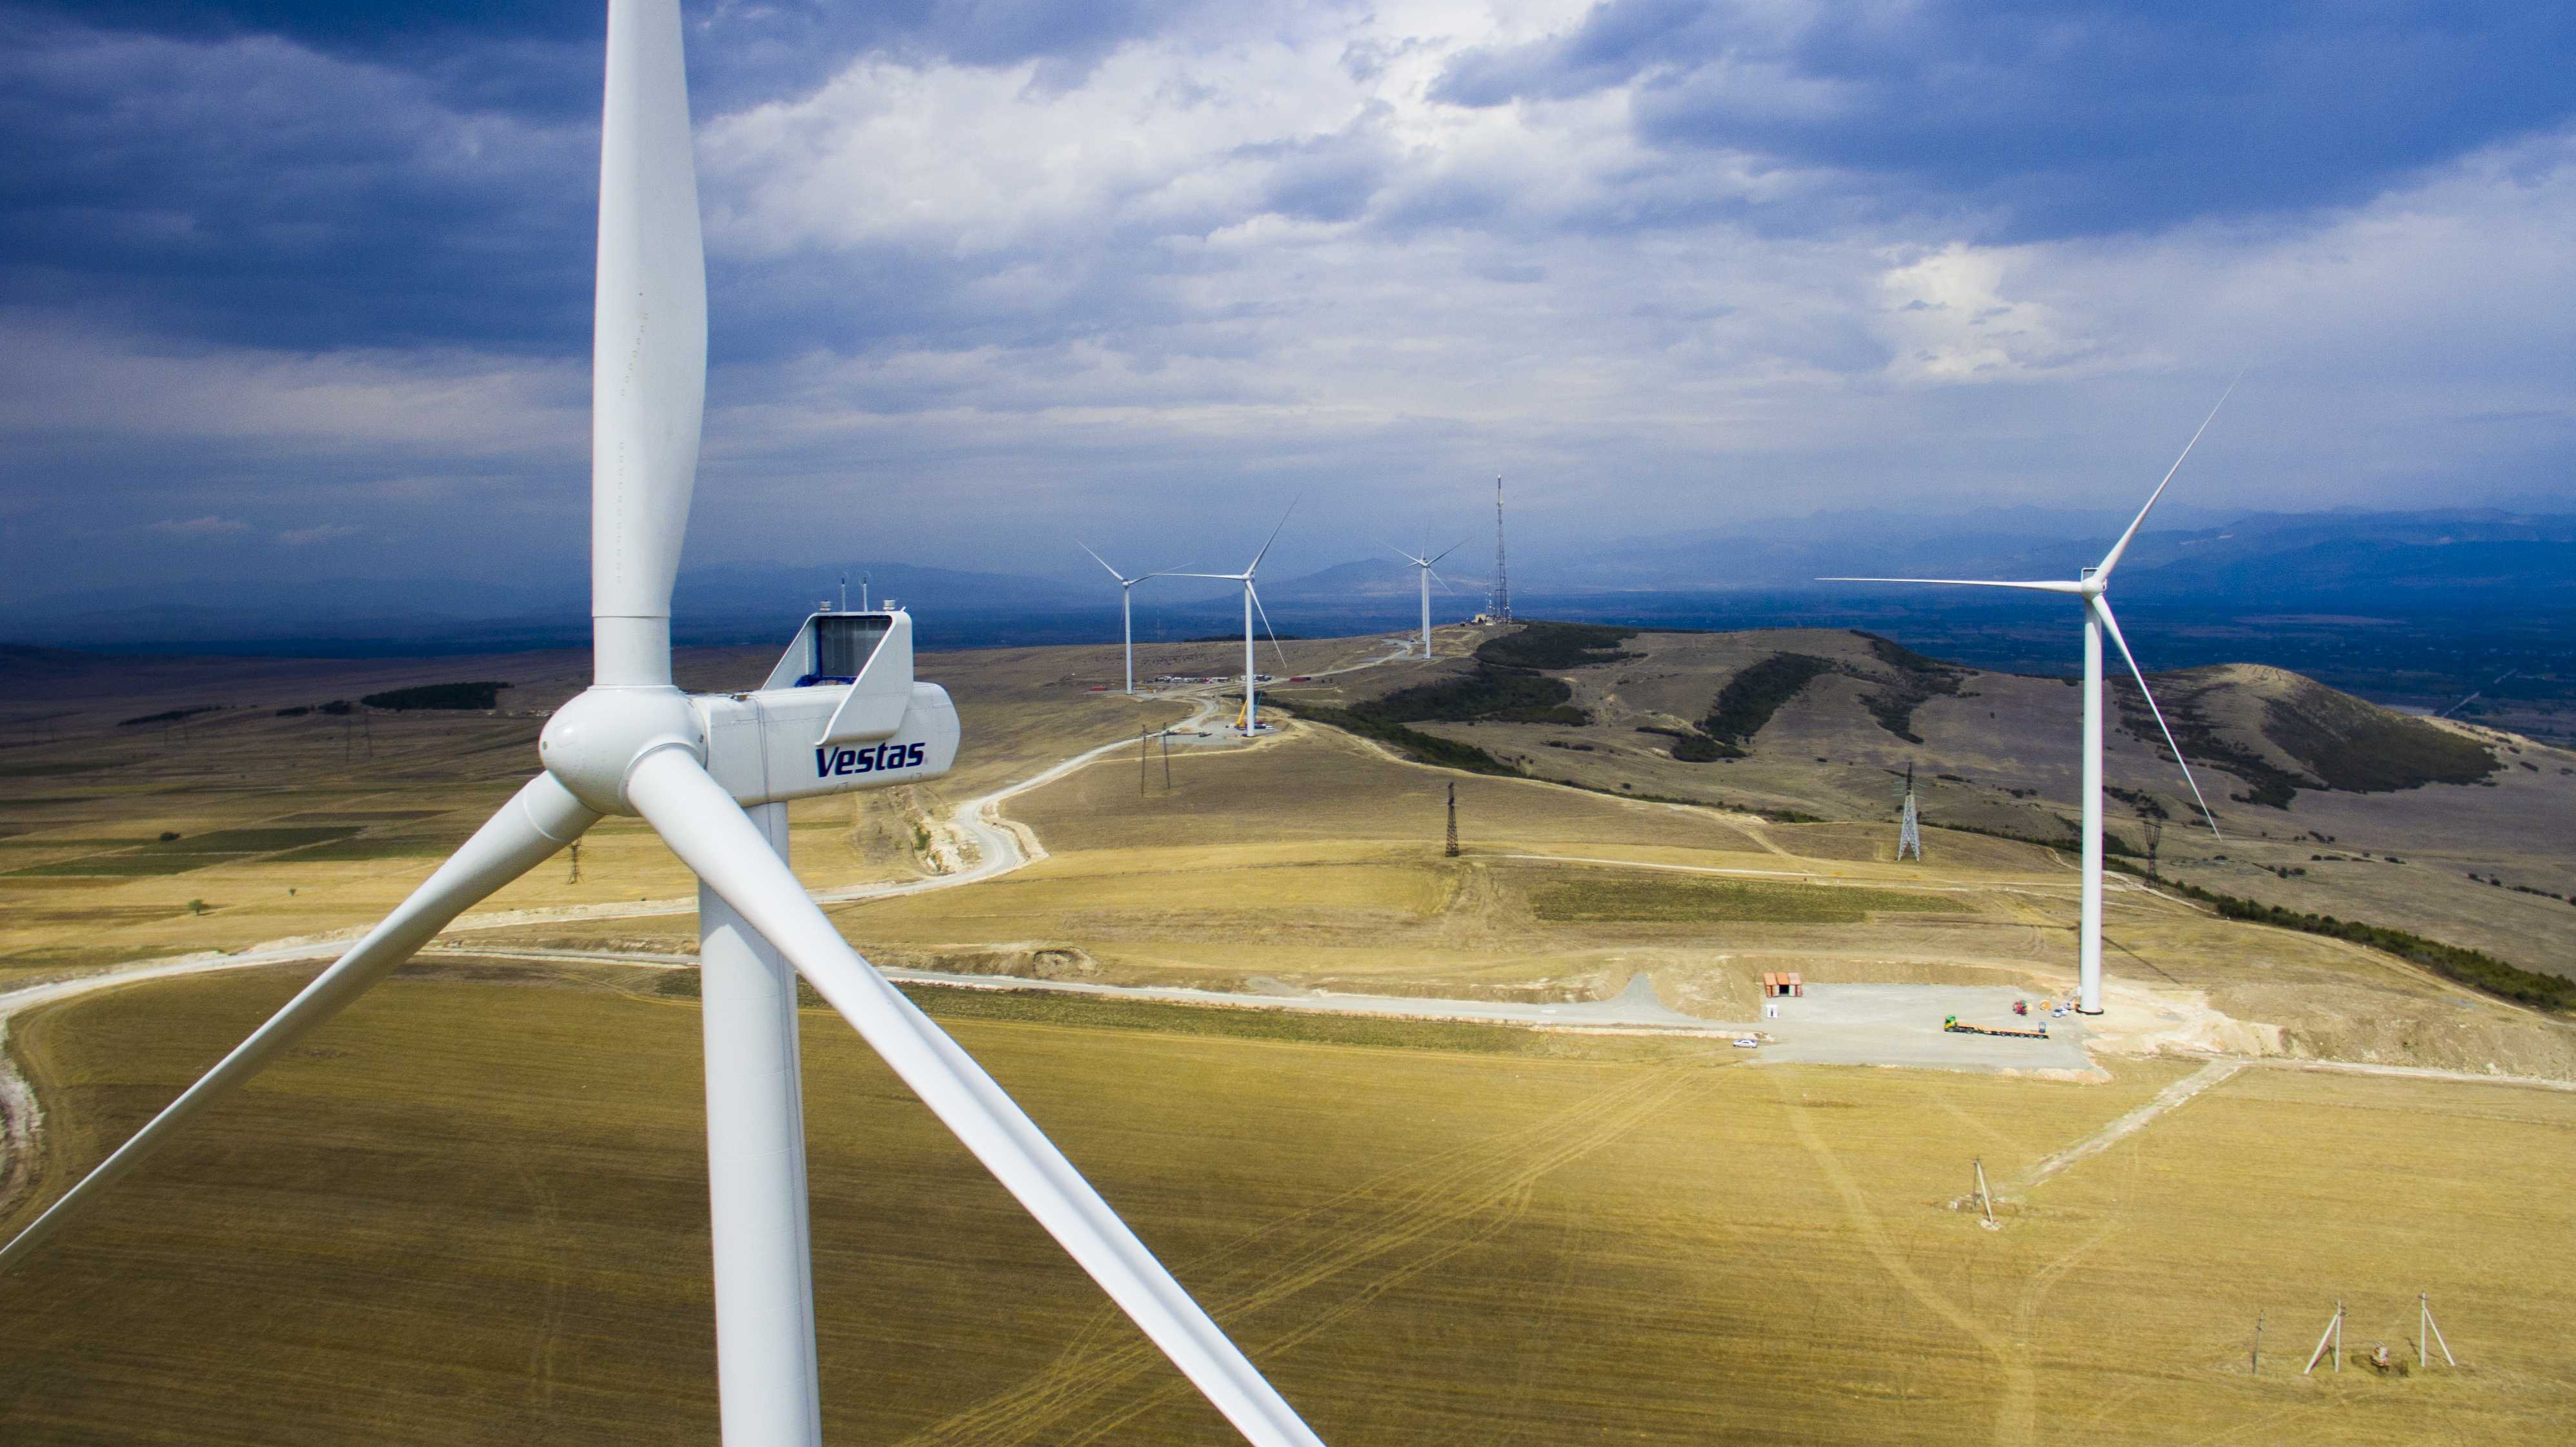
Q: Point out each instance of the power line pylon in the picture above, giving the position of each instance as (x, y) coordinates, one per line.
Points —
(1909, 835)
(1452, 850)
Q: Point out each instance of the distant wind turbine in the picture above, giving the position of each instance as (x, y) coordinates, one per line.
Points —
(1424, 563)
(1126, 604)
(1252, 600)
(2091, 588)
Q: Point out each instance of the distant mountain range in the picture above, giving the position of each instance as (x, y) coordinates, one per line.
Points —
(2412, 563)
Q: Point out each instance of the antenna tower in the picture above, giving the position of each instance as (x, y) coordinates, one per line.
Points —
(1452, 850)
(1909, 835)
(1498, 606)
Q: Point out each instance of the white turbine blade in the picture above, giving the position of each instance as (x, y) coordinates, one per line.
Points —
(2111, 559)
(1419, 562)
(1444, 552)
(2111, 625)
(1122, 578)
(1274, 537)
(1228, 577)
(1967, 583)
(648, 344)
(710, 833)
(1443, 582)
(1265, 624)
(542, 819)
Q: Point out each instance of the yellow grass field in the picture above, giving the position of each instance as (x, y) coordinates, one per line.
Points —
(473, 1211)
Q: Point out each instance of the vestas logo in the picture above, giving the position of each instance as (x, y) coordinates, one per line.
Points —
(828, 762)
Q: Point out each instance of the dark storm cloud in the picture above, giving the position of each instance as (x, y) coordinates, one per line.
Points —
(2067, 119)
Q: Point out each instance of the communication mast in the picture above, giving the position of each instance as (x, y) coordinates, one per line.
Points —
(1498, 605)
(1909, 835)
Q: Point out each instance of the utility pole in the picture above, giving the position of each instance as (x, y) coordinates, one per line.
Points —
(2255, 1362)
(2424, 1322)
(1167, 761)
(575, 851)
(1452, 850)
(2334, 1334)
(1985, 1197)
(1144, 757)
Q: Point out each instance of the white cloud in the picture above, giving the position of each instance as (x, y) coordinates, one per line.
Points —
(319, 533)
(204, 527)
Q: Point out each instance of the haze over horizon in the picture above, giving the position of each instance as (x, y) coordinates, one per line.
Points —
(301, 290)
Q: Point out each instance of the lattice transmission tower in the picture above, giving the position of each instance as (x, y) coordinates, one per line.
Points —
(1452, 850)
(1909, 835)
(1498, 606)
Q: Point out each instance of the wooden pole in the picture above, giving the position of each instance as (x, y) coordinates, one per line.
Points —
(1984, 1197)
(1143, 759)
(2257, 1359)
(1167, 761)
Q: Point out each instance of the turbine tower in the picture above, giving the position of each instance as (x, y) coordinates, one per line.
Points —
(1252, 600)
(1498, 605)
(2091, 589)
(1126, 606)
(711, 775)
(1424, 563)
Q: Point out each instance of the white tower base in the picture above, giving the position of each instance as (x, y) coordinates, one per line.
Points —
(765, 1363)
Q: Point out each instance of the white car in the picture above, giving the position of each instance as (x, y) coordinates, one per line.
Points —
(1746, 1042)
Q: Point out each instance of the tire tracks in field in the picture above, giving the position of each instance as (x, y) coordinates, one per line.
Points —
(1484, 1185)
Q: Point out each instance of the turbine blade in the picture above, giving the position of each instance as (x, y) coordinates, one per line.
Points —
(1968, 583)
(1419, 562)
(1443, 582)
(1274, 537)
(542, 819)
(710, 833)
(648, 345)
(1265, 625)
(1444, 552)
(1228, 577)
(2111, 559)
(1122, 578)
(2111, 626)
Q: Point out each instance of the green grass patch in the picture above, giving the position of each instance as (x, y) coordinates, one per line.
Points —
(1602, 896)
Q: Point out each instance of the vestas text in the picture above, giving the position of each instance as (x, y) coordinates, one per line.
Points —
(828, 762)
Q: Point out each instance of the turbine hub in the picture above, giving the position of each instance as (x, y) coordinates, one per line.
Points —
(592, 743)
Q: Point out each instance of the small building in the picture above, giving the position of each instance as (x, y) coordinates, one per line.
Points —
(1779, 985)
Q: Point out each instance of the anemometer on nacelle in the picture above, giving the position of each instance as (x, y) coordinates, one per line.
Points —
(840, 712)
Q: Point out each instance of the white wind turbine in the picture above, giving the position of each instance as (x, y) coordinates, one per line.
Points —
(1126, 602)
(691, 766)
(2092, 589)
(1252, 600)
(1424, 563)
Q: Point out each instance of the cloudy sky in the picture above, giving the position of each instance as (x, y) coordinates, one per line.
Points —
(301, 286)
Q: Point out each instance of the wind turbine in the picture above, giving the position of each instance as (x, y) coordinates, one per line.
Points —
(2092, 589)
(1424, 563)
(711, 773)
(1252, 600)
(1126, 601)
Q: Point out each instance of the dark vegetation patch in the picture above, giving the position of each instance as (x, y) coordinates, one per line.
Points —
(169, 715)
(2271, 785)
(1603, 896)
(482, 694)
(2474, 968)
(2351, 745)
(1917, 678)
(1502, 695)
(174, 855)
(1693, 747)
(1757, 692)
(1414, 744)
(335, 707)
(1557, 645)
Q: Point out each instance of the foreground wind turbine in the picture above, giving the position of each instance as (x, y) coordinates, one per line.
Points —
(1252, 600)
(2092, 589)
(1126, 602)
(1424, 563)
(841, 711)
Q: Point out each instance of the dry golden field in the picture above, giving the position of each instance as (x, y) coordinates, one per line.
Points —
(473, 1210)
